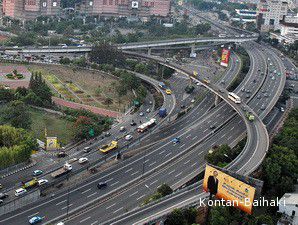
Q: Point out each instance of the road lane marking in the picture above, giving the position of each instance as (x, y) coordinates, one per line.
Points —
(91, 194)
(65, 207)
(111, 206)
(83, 220)
(134, 193)
(95, 222)
(168, 154)
(152, 163)
(182, 146)
(223, 135)
(140, 197)
(134, 173)
(161, 152)
(118, 210)
(178, 174)
(193, 164)
(147, 160)
(109, 180)
(205, 130)
(188, 136)
(114, 183)
(154, 182)
(33, 214)
(171, 172)
(128, 170)
(195, 137)
(83, 192)
(186, 162)
(59, 203)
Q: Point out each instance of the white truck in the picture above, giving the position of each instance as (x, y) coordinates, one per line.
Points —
(63, 170)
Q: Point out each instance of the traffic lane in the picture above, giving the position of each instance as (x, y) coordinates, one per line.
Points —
(178, 170)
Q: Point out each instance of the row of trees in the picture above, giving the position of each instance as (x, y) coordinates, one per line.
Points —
(162, 191)
(16, 145)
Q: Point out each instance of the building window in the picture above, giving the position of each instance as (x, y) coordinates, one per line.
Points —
(122, 2)
(116, 2)
(111, 2)
(104, 2)
(90, 3)
(152, 4)
(54, 4)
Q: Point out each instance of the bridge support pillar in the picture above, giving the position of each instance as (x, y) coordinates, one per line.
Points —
(216, 100)
(192, 49)
(149, 51)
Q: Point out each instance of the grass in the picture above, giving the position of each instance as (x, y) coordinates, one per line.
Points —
(55, 124)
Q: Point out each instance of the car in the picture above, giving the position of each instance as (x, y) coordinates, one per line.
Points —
(212, 127)
(247, 91)
(42, 182)
(87, 149)
(101, 185)
(148, 110)
(272, 78)
(263, 107)
(1, 201)
(107, 134)
(128, 137)
(37, 172)
(282, 109)
(247, 96)
(141, 114)
(266, 95)
(35, 219)
(20, 191)
(176, 140)
(73, 160)
(3, 195)
(182, 106)
(122, 129)
(83, 160)
(61, 154)
(221, 90)
(60, 223)
(150, 103)
(198, 84)
(168, 92)
(192, 101)
(133, 123)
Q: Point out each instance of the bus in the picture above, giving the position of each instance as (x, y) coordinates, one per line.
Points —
(162, 85)
(235, 98)
(145, 126)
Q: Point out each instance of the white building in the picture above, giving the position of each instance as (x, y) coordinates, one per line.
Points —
(270, 13)
(288, 206)
(245, 15)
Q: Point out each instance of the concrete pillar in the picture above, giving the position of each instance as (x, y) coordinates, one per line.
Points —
(192, 49)
(149, 51)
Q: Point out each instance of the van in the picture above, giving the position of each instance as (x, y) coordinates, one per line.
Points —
(20, 192)
(87, 149)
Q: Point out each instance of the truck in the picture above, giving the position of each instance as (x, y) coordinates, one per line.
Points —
(109, 147)
(162, 112)
(250, 116)
(29, 183)
(66, 168)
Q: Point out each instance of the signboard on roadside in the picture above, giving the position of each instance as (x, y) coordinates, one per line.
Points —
(225, 57)
(52, 143)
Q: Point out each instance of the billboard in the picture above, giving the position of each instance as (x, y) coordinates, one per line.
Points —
(228, 188)
(52, 143)
(225, 56)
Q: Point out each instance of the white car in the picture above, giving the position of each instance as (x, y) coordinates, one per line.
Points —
(148, 110)
(83, 160)
(122, 129)
(192, 101)
(128, 137)
(42, 182)
(141, 114)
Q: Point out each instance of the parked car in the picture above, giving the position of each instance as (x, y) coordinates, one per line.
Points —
(101, 185)
(3, 195)
(128, 137)
(37, 172)
(42, 182)
(35, 219)
(83, 160)
(141, 114)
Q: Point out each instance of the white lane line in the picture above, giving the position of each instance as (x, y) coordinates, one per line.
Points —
(186, 162)
(178, 174)
(111, 206)
(154, 182)
(205, 130)
(161, 152)
(147, 160)
(66, 206)
(240, 122)
(213, 144)
(152, 163)
(92, 194)
(95, 222)
(140, 197)
(168, 154)
(195, 137)
(134, 173)
(128, 170)
(83, 192)
(223, 135)
(171, 172)
(33, 214)
(83, 220)
(229, 137)
(188, 136)
(118, 210)
(114, 183)
(59, 203)
(109, 180)
(232, 127)
(193, 164)
(182, 146)
(134, 193)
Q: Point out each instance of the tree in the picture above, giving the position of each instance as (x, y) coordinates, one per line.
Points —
(165, 190)
(6, 95)
(176, 218)
(41, 89)
(16, 114)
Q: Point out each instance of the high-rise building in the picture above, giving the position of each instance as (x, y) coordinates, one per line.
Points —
(270, 13)
(141, 8)
(30, 9)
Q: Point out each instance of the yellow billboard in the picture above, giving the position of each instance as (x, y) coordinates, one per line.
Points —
(52, 143)
(226, 187)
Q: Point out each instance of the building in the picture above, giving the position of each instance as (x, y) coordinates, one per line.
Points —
(30, 9)
(245, 15)
(270, 13)
(125, 8)
(288, 206)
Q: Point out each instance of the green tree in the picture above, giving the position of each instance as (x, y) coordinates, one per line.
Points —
(165, 190)
(6, 95)
(16, 114)
(176, 218)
